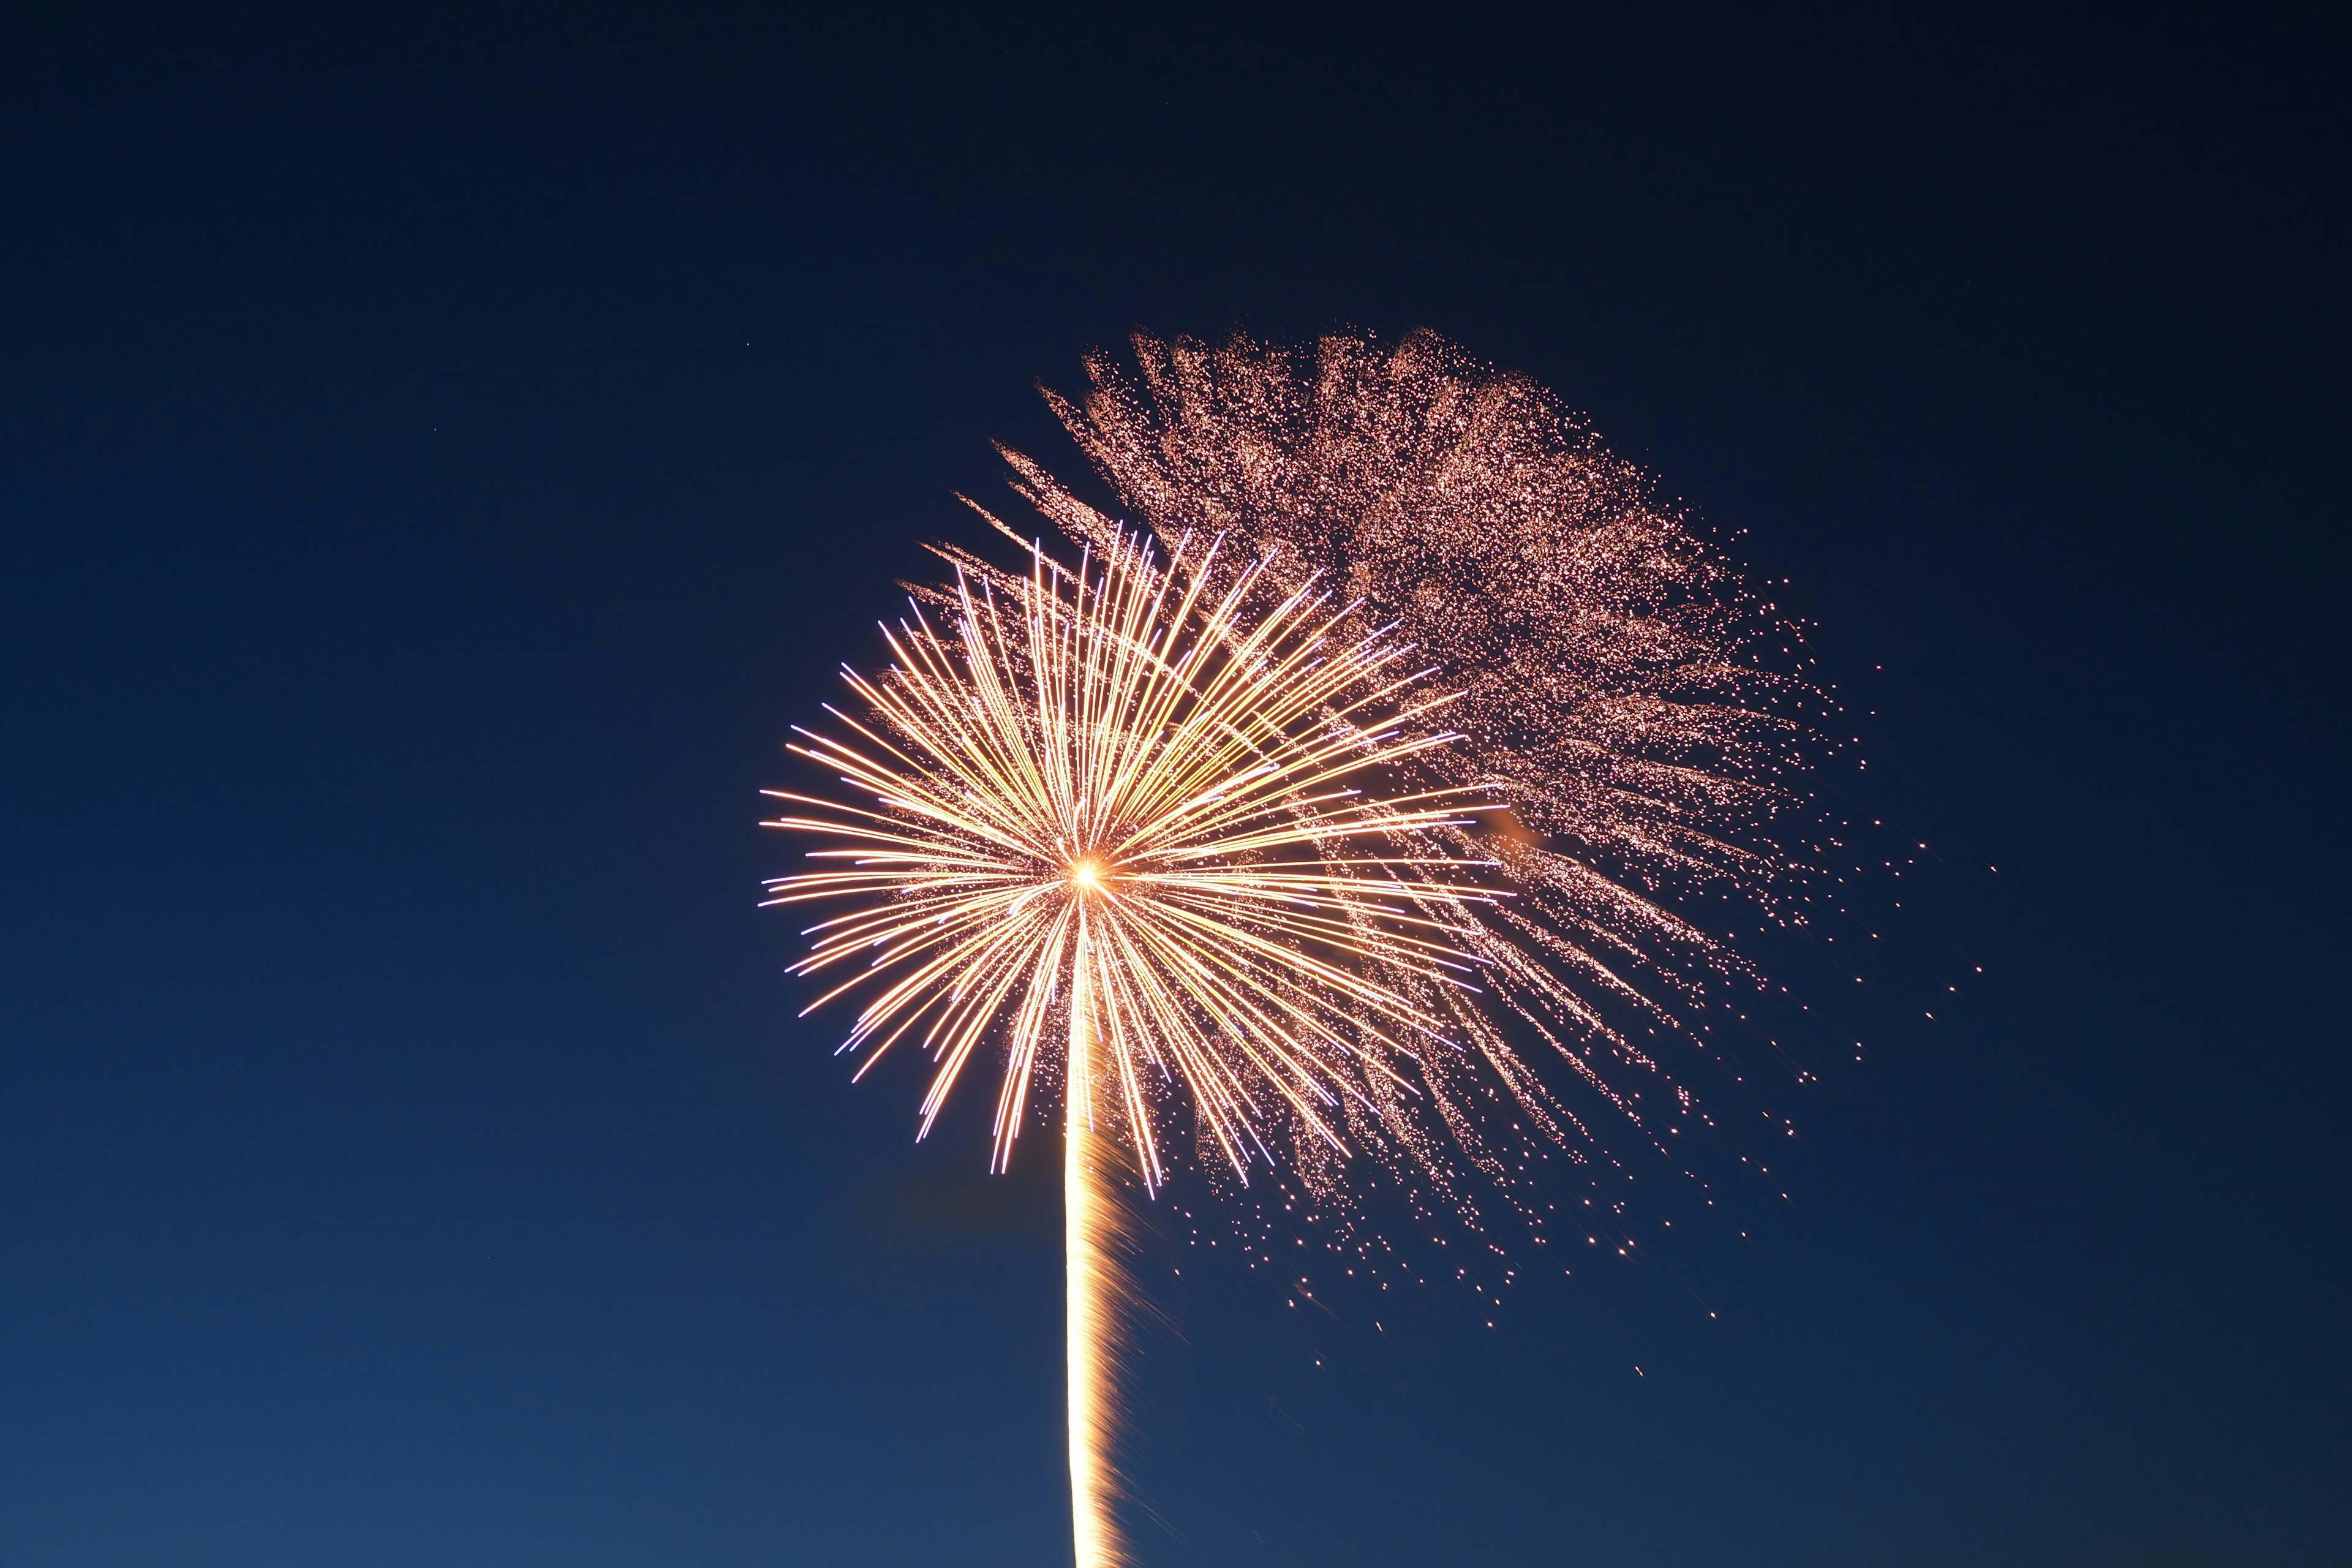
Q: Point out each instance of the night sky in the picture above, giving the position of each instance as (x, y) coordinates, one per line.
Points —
(440, 456)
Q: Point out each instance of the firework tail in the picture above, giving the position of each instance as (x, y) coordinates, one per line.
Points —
(1095, 1287)
(1094, 1336)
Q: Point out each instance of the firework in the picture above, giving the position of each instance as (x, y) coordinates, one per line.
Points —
(1647, 718)
(1293, 836)
(1117, 809)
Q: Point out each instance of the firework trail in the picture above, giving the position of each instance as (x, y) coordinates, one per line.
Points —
(1316, 832)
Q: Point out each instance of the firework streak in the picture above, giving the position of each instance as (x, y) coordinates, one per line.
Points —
(1284, 840)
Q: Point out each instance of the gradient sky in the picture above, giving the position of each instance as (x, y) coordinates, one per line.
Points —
(440, 455)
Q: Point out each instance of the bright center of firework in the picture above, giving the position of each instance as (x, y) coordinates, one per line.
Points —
(1087, 874)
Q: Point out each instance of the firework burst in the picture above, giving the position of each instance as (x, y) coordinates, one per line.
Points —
(1117, 825)
(1296, 837)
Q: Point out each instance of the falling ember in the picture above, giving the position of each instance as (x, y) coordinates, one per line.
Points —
(1358, 810)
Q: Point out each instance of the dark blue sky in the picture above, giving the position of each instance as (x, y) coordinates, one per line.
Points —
(440, 455)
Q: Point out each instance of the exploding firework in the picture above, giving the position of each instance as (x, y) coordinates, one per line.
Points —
(1117, 811)
(1315, 832)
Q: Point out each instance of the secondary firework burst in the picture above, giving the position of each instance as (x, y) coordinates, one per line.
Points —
(1283, 845)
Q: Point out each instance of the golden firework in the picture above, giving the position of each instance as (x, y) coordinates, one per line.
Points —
(1121, 824)
(1193, 837)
